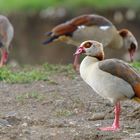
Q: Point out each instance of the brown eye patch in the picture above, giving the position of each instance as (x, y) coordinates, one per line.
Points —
(87, 44)
(123, 32)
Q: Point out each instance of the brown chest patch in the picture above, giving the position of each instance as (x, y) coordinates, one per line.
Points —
(136, 88)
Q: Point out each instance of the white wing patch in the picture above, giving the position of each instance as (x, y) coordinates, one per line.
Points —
(104, 27)
(81, 27)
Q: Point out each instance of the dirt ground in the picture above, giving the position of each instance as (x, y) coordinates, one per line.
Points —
(66, 109)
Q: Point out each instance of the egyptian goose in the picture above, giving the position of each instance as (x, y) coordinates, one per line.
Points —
(95, 27)
(111, 78)
(6, 36)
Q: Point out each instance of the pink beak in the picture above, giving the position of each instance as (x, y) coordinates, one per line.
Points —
(79, 51)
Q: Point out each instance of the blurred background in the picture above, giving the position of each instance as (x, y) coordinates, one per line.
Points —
(32, 18)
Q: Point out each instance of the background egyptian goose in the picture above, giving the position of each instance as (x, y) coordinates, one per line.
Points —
(111, 78)
(6, 36)
(89, 27)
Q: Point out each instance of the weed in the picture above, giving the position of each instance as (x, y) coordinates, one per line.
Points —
(21, 76)
(136, 65)
(30, 74)
(77, 103)
(30, 95)
(67, 70)
(63, 113)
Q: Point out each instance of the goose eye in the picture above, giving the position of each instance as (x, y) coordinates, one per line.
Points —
(88, 45)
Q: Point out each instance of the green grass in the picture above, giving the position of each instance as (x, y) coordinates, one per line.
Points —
(30, 74)
(36, 5)
(136, 65)
(67, 70)
(22, 76)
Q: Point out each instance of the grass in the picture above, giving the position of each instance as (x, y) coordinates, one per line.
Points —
(30, 74)
(63, 113)
(136, 65)
(71, 108)
(30, 95)
(77, 103)
(22, 76)
(36, 5)
(67, 70)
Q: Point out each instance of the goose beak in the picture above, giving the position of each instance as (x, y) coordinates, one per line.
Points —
(79, 51)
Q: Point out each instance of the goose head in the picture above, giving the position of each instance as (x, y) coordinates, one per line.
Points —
(91, 48)
(129, 41)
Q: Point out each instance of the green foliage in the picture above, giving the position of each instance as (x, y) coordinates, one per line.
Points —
(34, 5)
(136, 65)
(66, 69)
(31, 74)
(21, 76)
(15, 5)
(102, 4)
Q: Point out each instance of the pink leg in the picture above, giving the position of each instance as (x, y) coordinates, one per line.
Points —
(116, 124)
(4, 57)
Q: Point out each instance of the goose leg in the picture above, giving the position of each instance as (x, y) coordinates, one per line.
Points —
(116, 124)
(4, 57)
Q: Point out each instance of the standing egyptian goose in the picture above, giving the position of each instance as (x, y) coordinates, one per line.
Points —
(89, 27)
(111, 78)
(6, 36)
